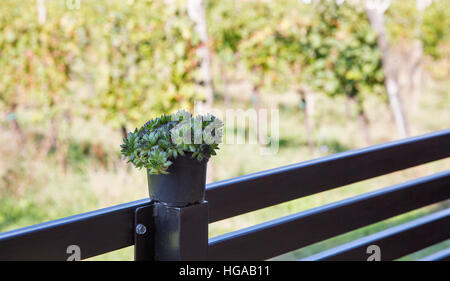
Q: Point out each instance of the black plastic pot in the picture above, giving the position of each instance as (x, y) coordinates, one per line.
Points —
(184, 185)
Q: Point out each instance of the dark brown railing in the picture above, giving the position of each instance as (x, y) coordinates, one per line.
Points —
(113, 228)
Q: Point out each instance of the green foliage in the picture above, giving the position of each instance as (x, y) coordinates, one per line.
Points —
(117, 61)
(405, 23)
(121, 61)
(149, 61)
(160, 141)
(330, 47)
(436, 29)
(263, 39)
(36, 60)
(343, 55)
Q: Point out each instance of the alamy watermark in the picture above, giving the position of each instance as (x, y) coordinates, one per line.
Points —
(249, 126)
(74, 252)
(375, 253)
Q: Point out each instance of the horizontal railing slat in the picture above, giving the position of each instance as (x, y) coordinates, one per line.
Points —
(256, 191)
(394, 242)
(443, 255)
(289, 233)
(96, 232)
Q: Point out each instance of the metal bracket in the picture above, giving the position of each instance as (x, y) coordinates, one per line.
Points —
(144, 233)
(181, 233)
(163, 232)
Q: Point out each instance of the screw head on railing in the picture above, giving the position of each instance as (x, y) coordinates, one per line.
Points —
(141, 229)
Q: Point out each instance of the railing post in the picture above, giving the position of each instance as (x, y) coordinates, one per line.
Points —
(165, 232)
(181, 233)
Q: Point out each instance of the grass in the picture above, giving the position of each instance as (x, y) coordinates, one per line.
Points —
(37, 191)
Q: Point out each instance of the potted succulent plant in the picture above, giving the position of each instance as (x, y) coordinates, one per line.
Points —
(175, 149)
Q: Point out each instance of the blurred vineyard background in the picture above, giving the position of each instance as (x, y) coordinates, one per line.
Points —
(76, 75)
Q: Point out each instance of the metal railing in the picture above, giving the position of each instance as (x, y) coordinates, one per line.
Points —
(109, 229)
